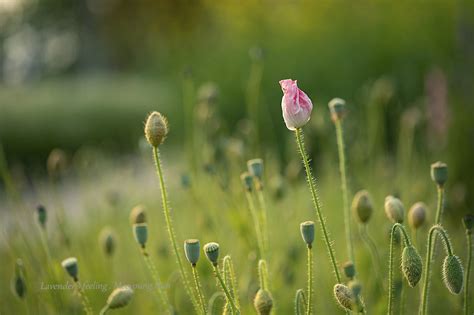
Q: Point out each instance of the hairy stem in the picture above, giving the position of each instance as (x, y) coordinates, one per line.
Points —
(197, 283)
(263, 274)
(317, 206)
(310, 281)
(231, 279)
(156, 279)
(84, 299)
(169, 225)
(468, 272)
(257, 226)
(300, 302)
(374, 253)
(235, 310)
(263, 218)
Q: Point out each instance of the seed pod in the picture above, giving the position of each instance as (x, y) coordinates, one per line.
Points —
(138, 215)
(18, 284)
(212, 252)
(156, 129)
(71, 267)
(107, 241)
(417, 215)
(140, 232)
(412, 265)
(453, 274)
(349, 269)
(394, 209)
(362, 206)
(439, 173)
(468, 222)
(120, 297)
(307, 232)
(355, 287)
(263, 302)
(337, 107)
(42, 215)
(344, 296)
(255, 168)
(192, 250)
(247, 181)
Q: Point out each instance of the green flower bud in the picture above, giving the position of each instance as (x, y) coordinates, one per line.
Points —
(138, 215)
(42, 215)
(140, 232)
(263, 302)
(439, 173)
(412, 265)
(107, 241)
(349, 269)
(362, 206)
(337, 107)
(156, 129)
(247, 181)
(453, 274)
(344, 296)
(417, 215)
(468, 222)
(255, 168)
(394, 209)
(307, 232)
(212, 252)
(192, 250)
(120, 297)
(71, 267)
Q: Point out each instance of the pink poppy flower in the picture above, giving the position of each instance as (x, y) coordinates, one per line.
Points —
(295, 105)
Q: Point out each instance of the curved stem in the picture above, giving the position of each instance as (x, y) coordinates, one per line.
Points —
(263, 274)
(231, 279)
(426, 281)
(235, 310)
(468, 272)
(300, 302)
(104, 310)
(258, 231)
(342, 171)
(317, 206)
(156, 279)
(197, 283)
(169, 225)
(369, 242)
(310, 281)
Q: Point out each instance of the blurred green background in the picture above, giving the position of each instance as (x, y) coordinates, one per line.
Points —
(85, 73)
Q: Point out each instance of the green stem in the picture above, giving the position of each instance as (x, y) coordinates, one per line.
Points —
(468, 272)
(231, 279)
(426, 280)
(342, 170)
(235, 310)
(317, 206)
(440, 207)
(258, 232)
(85, 301)
(300, 302)
(104, 310)
(263, 274)
(156, 279)
(310, 281)
(169, 225)
(263, 217)
(197, 283)
(407, 242)
(369, 242)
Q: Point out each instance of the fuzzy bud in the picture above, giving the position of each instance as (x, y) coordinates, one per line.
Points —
(468, 222)
(263, 302)
(255, 168)
(307, 232)
(120, 297)
(42, 215)
(107, 241)
(439, 173)
(138, 215)
(394, 209)
(453, 274)
(212, 252)
(362, 206)
(140, 232)
(417, 215)
(156, 129)
(247, 181)
(192, 250)
(412, 265)
(349, 269)
(71, 267)
(337, 107)
(344, 296)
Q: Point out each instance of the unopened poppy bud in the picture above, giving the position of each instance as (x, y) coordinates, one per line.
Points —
(71, 267)
(453, 274)
(212, 252)
(247, 181)
(394, 209)
(156, 129)
(42, 215)
(138, 215)
(344, 296)
(120, 297)
(295, 104)
(412, 266)
(192, 250)
(362, 206)
(140, 232)
(107, 241)
(417, 215)
(307, 232)
(468, 222)
(439, 173)
(349, 269)
(263, 302)
(337, 107)
(255, 168)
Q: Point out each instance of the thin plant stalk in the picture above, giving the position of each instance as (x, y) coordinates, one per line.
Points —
(374, 253)
(263, 274)
(156, 279)
(84, 299)
(300, 302)
(468, 272)
(440, 206)
(211, 308)
(197, 283)
(426, 280)
(263, 220)
(258, 231)
(104, 310)
(407, 242)
(345, 201)
(316, 204)
(169, 225)
(231, 279)
(227, 293)
(310, 281)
